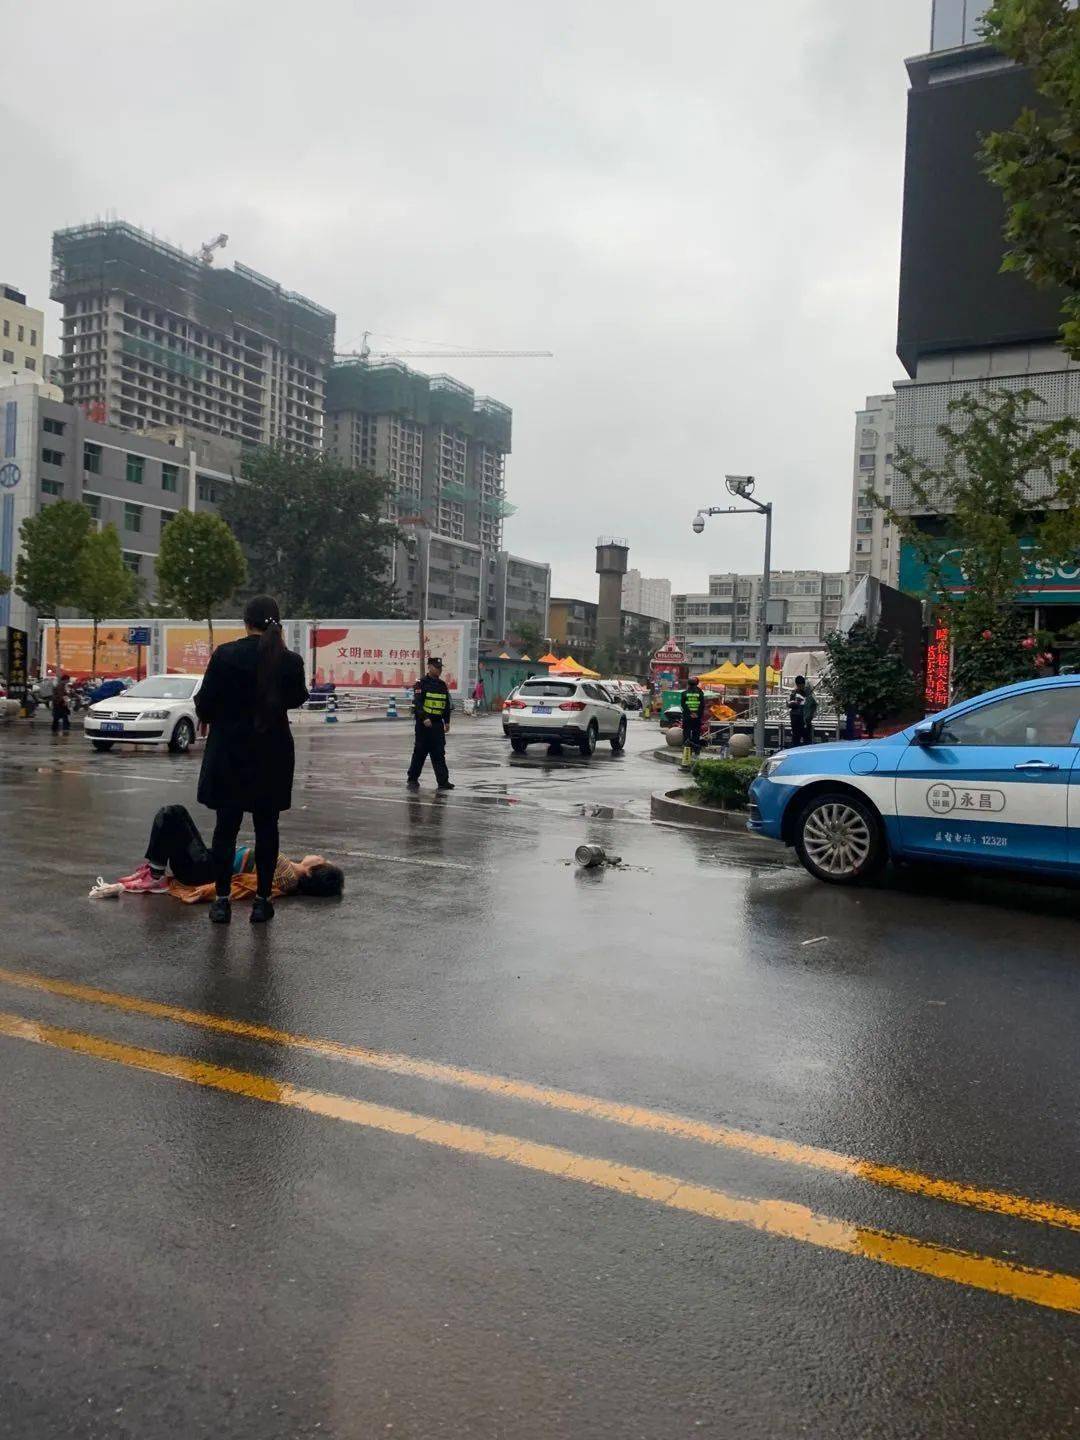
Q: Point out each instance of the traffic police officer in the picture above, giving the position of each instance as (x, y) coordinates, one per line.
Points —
(693, 712)
(431, 707)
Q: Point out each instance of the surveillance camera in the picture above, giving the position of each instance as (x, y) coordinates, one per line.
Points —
(697, 524)
(741, 485)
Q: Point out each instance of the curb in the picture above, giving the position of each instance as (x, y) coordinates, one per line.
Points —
(666, 805)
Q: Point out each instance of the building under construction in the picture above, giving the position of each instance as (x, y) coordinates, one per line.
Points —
(441, 447)
(154, 337)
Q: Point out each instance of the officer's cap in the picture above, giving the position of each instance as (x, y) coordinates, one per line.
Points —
(434, 660)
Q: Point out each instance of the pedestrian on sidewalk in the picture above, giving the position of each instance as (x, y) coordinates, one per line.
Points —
(803, 710)
(431, 709)
(478, 696)
(61, 706)
(249, 687)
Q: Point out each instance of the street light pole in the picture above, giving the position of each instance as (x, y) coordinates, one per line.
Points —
(763, 644)
(742, 486)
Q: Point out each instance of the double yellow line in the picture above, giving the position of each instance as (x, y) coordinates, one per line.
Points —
(792, 1221)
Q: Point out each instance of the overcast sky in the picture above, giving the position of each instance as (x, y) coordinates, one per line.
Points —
(696, 206)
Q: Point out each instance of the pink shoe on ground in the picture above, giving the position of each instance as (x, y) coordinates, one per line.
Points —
(136, 874)
(146, 884)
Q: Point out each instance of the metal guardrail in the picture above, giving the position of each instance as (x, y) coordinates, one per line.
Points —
(347, 701)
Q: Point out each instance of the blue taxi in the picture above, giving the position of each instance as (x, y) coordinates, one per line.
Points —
(993, 781)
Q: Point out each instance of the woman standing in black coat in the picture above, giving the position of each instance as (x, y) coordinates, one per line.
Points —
(248, 688)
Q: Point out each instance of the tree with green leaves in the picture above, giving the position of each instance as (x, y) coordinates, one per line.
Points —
(48, 565)
(200, 566)
(867, 674)
(529, 638)
(1036, 163)
(315, 534)
(1003, 504)
(5, 583)
(637, 648)
(105, 585)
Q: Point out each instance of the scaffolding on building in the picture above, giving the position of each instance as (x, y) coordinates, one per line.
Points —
(113, 256)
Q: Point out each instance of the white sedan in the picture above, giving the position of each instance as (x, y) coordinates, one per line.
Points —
(559, 711)
(158, 710)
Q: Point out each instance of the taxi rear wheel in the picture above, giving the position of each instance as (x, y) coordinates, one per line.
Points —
(839, 838)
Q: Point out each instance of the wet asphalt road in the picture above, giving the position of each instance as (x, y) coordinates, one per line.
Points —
(181, 1259)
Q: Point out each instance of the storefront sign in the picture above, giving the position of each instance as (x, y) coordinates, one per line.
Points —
(1044, 583)
(938, 669)
(17, 675)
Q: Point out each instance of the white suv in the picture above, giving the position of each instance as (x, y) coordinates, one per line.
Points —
(563, 711)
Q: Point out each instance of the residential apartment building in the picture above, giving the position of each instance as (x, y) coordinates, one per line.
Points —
(724, 622)
(51, 451)
(464, 581)
(522, 597)
(22, 335)
(154, 336)
(441, 447)
(646, 596)
(574, 627)
(875, 542)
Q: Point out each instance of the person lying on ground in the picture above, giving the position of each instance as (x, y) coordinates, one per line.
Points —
(179, 863)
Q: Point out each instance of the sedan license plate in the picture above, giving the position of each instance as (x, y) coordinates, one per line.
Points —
(541, 709)
(111, 727)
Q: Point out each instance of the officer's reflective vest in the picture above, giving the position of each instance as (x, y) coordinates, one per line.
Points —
(692, 701)
(434, 703)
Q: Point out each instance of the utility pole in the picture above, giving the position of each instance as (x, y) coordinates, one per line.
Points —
(742, 487)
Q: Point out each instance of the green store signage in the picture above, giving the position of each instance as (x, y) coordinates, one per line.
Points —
(1044, 583)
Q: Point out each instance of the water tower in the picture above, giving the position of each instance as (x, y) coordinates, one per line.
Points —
(611, 558)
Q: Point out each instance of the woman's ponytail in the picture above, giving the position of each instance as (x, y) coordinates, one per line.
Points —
(262, 614)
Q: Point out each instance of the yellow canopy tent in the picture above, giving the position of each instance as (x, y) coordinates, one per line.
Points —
(527, 657)
(772, 677)
(744, 672)
(725, 674)
(504, 656)
(569, 666)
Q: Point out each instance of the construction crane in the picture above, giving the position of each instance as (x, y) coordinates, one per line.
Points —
(206, 252)
(365, 354)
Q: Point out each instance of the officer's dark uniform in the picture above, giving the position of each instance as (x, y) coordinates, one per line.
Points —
(431, 702)
(693, 712)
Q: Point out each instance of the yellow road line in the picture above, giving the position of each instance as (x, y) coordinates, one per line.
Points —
(788, 1152)
(1047, 1288)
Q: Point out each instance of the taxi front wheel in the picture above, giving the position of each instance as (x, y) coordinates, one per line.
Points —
(839, 838)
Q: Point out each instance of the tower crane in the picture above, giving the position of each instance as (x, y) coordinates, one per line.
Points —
(206, 252)
(365, 354)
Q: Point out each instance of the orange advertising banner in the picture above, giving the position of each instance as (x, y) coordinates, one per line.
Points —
(115, 657)
(187, 647)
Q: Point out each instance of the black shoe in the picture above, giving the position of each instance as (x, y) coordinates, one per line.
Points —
(262, 910)
(220, 910)
(412, 784)
(446, 785)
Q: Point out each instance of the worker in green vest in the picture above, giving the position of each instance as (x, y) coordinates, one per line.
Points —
(431, 709)
(693, 713)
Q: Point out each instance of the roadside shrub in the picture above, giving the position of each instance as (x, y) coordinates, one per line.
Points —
(726, 782)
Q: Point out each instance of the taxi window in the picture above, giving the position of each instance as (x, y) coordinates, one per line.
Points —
(1037, 717)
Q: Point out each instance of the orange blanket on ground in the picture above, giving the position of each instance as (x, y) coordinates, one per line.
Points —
(243, 888)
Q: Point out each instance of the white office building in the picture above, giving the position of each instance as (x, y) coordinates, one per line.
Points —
(723, 623)
(644, 596)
